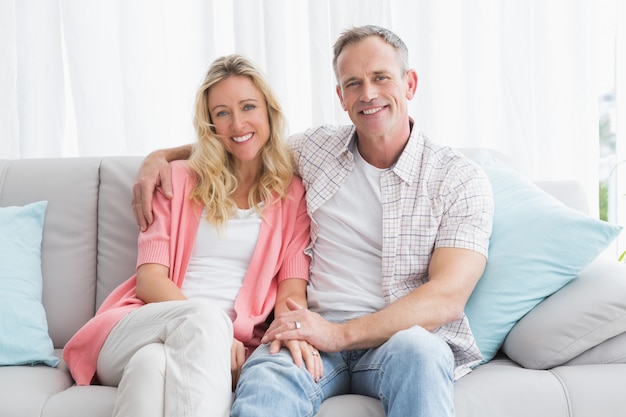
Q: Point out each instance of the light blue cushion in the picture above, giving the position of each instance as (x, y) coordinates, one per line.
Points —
(24, 338)
(537, 246)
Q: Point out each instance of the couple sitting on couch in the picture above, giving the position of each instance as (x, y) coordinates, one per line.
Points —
(231, 232)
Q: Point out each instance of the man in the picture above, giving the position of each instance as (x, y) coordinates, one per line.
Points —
(399, 237)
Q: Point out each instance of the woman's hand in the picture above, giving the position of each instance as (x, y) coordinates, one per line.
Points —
(302, 351)
(237, 358)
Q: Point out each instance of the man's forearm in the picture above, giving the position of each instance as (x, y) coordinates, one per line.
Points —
(177, 153)
(423, 307)
(453, 275)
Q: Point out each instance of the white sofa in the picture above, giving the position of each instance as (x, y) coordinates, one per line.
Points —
(89, 247)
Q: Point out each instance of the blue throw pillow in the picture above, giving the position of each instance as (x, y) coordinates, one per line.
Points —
(24, 338)
(537, 246)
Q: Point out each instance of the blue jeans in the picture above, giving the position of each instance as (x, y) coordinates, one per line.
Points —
(412, 374)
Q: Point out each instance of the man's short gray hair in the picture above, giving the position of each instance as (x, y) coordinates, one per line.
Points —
(357, 34)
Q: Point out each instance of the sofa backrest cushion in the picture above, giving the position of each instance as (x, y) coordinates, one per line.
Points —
(68, 260)
(117, 229)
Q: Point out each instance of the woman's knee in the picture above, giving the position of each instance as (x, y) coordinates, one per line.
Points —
(205, 311)
(199, 323)
(149, 360)
(205, 315)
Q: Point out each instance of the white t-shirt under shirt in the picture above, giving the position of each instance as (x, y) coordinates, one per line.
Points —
(220, 260)
(341, 285)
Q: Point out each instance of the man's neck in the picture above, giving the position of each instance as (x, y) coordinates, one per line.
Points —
(383, 151)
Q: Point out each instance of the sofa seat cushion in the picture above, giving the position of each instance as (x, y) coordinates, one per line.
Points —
(42, 391)
(510, 387)
(503, 388)
(594, 390)
(74, 401)
(584, 314)
(31, 387)
(351, 405)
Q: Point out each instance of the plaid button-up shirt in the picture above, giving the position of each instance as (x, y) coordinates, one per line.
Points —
(432, 197)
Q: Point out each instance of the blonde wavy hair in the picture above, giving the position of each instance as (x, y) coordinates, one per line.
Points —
(214, 167)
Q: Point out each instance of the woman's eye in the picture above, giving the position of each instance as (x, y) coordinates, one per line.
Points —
(221, 113)
(249, 107)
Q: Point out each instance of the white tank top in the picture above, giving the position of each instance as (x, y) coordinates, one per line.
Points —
(219, 261)
(346, 270)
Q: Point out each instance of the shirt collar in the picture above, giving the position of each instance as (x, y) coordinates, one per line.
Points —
(409, 158)
(407, 165)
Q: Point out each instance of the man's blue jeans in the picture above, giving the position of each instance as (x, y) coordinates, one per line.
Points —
(412, 374)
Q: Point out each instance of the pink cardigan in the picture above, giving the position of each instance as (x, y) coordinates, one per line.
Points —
(279, 254)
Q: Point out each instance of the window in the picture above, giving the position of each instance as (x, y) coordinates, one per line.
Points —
(611, 111)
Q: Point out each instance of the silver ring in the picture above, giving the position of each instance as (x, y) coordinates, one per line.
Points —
(298, 325)
(315, 353)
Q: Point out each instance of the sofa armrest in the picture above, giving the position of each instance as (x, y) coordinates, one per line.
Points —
(588, 311)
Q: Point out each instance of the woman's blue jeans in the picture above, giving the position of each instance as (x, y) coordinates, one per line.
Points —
(412, 374)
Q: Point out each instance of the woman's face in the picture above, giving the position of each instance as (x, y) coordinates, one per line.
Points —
(239, 113)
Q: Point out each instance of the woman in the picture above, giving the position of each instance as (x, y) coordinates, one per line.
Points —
(224, 251)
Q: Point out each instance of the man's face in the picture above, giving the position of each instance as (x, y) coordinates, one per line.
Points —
(372, 88)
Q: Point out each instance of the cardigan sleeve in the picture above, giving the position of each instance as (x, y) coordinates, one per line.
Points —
(296, 235)
(153, 243)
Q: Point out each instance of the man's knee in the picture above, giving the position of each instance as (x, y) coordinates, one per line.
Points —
(418, 345)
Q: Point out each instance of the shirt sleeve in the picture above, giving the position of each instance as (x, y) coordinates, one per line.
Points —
(468, 215)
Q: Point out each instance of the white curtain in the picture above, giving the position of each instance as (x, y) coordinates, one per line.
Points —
(94, 77)
(618, 177)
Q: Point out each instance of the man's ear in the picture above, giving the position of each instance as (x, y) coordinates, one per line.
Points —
(340, 95)
(411, 80)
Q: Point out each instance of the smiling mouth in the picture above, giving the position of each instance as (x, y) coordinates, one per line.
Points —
(241, 139)
(374, 110)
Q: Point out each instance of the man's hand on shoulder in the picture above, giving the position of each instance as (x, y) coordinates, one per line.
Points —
(153, 172)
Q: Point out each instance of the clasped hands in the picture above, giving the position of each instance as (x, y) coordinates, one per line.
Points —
(303, 332)
(303, 342)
